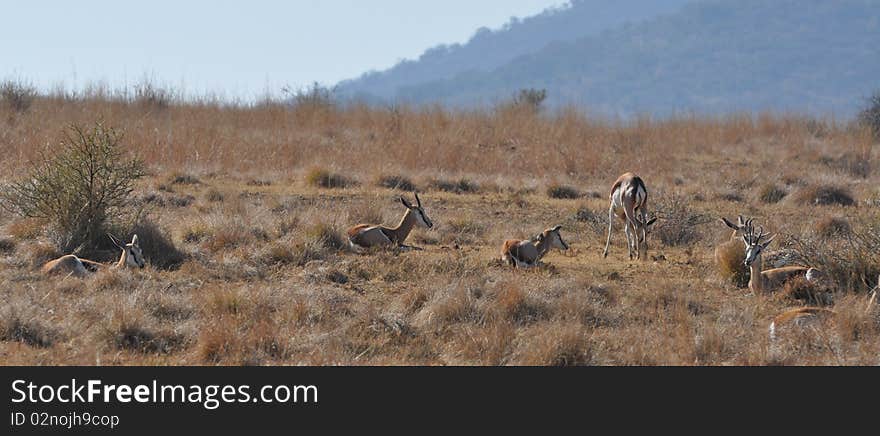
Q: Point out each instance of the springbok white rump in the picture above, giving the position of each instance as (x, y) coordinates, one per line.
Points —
(363, 236)
(70, 264)
(526, 254)
(629, 202)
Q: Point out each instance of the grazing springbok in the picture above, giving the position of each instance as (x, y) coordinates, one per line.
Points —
(809, 317)
(364, 236)
(773, 258)
(526, 254)
(72, 265)
(629, 201)
(770, 279)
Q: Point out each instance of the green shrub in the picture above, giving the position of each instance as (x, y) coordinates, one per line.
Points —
(80, 187)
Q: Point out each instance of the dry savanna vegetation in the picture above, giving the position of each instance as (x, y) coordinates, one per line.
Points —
(241, 211)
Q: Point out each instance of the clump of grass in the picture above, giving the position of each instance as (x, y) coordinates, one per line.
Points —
(195, 232)
(30, 332)
(848, 264)
(214, 196)
(183, 179)
(810, 293)
(26, 228)
(597, 222)
(771, 194)
(833, 227)
(7, 245)
(326, 236)
(729, 258)
(460, 186)
(41, 253)
(513, 304)
(460, 230)
(322, 178)
(278, 254)
(159, 251)
(824, 195)
(396, 182)
(678, 223)
(556, 344)
(563, 192)
(258, 182)
(227, 237)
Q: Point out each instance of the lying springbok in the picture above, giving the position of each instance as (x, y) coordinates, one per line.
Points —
(364, 236)
(629, 201)
(72, 265)
(774, 258)
(809, 317)
(526, 254)
(770, 279)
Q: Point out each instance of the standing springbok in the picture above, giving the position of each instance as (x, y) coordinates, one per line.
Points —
(629, 201)
(526, 254)
(72, 265)
(772, 278)
(364, 236)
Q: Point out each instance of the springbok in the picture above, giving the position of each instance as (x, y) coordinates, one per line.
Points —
(526, 254)
(72, 265)
(364, 236)
(629, 201)
(809, 317)
(772, 278)
(774, 258)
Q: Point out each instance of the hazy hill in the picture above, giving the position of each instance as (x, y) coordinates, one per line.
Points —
(489, 49)
(818, 56)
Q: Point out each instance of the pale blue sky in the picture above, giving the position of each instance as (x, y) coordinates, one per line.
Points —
(232, 48)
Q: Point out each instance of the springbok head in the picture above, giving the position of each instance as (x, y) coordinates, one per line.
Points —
(553, 237)
(643, 228)
(134, 257)
(421, 217)
(754, 243)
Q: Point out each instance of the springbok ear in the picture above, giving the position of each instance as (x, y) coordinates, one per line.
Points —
(651, 221)
(134, 240)
(556, 229)
(765, 244)
(405, 203)
(730, 224)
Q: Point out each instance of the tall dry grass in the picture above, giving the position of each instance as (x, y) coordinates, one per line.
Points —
(260, 273)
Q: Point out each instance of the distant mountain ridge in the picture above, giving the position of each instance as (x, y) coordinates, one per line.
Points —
(490, 49)
(713, 56)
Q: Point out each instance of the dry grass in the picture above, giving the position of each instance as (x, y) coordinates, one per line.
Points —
(248, 265)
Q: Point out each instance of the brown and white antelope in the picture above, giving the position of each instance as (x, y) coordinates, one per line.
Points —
(528, 253)
(364, 236)
(629, 202)
(773, 258)
(69, 264)
(809, 317)
(772, 278)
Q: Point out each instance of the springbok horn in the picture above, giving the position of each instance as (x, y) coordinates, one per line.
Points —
(418, 202)
(115, 241)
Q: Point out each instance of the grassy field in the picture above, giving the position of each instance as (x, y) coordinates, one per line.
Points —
(257, 200)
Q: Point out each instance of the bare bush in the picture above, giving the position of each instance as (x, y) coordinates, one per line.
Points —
(869, 117)
(17, 95)
(678, 223)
